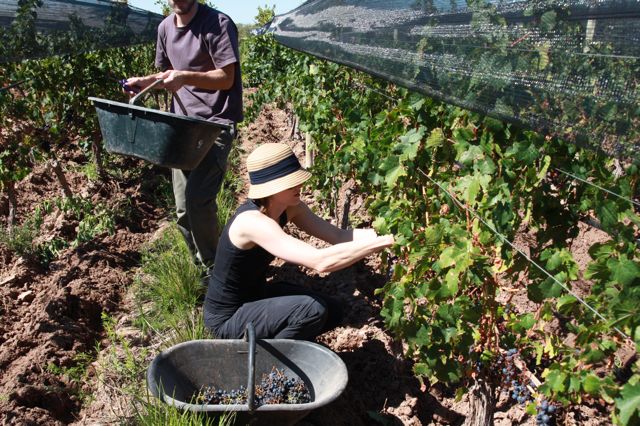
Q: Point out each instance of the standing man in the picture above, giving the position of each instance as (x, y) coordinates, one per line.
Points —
(197, 53)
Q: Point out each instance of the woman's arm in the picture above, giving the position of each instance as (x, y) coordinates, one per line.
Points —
(252, 228)
(302, 216)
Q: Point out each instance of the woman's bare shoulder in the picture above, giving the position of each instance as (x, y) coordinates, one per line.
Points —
(243, 230)
(248, 218)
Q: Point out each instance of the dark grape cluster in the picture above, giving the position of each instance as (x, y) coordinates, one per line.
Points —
(210, 395)
(391, 266)
(519, 391)
(275, 388)
(546, 412)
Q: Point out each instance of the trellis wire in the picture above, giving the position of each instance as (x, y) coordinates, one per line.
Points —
(364, 86)
(503, 238)
(597, 186)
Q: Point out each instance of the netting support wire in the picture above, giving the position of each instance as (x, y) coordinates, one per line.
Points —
(503, 238)
(11, 86)
(598, 186)
(364, 86)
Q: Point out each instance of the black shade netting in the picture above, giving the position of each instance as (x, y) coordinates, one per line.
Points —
(568, 68)
(39, 28)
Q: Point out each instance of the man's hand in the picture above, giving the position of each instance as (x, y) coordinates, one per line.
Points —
(173, 80)
(133, 85)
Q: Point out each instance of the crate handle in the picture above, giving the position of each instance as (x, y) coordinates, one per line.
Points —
(132, 133)
(133, 100)
(152, 85)
(179, 102)
(250, 336)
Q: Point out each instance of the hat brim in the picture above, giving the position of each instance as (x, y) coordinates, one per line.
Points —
(280, 184)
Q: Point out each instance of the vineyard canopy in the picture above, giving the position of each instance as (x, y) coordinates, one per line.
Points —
(567, 68)
(39, 28)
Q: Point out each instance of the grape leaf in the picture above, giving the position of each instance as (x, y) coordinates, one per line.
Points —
(393, 174)
(548, 20)
(566, 302)
(607, 212)
(436, 138)
(555, 380)
(626, 272)
(629, 404)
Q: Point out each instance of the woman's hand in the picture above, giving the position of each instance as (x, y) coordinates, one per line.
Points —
(368, 234)
(388, 240)
(364, 234)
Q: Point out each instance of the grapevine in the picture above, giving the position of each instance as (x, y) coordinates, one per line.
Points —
(44, 105)
(449, 273)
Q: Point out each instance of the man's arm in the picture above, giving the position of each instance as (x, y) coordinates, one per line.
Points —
(218, 79)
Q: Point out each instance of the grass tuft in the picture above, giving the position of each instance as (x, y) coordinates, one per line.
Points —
(167, 293)
(170, 285)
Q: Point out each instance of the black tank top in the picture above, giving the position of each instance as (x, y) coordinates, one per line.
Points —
(238, 275)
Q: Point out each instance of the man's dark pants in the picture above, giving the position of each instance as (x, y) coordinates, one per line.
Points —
(195, 192)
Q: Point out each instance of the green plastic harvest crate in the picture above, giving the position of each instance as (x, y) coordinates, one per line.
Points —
(162, 138)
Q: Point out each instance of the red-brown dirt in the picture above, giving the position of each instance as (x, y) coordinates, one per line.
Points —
(52, 315)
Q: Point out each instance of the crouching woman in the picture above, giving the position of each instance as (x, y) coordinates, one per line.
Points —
(237, 290)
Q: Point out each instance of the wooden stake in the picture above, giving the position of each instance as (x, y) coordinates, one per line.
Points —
(308, 151)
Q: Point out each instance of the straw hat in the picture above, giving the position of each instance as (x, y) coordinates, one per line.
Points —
(273, 167)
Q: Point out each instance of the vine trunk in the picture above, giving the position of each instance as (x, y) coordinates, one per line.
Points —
(13, 205)
(57, 169)
(481, 404)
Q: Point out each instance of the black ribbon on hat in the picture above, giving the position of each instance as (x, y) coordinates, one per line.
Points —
(281, 168)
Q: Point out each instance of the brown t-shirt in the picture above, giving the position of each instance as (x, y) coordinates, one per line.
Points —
(208, 42)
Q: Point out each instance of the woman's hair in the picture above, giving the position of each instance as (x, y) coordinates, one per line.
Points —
(262, 204)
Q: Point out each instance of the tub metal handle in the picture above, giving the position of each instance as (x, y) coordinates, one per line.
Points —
(250, 336)
(133, 100)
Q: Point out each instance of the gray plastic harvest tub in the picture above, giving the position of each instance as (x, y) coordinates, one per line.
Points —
(162, 138)
(178, 373)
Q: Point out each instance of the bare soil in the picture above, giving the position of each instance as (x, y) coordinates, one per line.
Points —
(50, 315)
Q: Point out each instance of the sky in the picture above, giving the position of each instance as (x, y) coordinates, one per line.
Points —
(241, 11)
